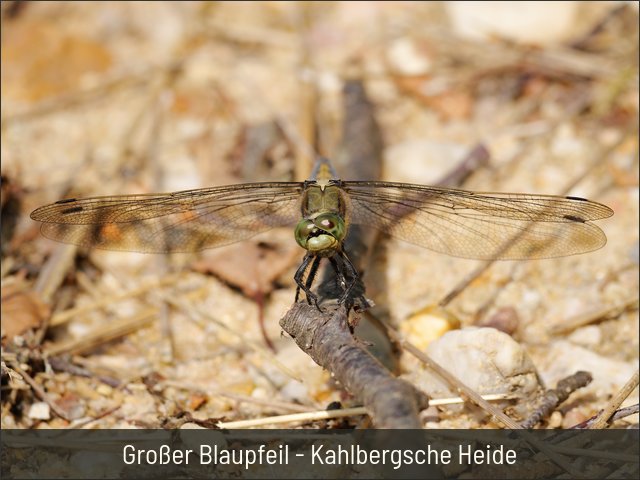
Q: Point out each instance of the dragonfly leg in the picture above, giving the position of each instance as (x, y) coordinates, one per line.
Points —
(352, 273)
(299, 275)
(312, 297)
(314, 261)
(337, 267)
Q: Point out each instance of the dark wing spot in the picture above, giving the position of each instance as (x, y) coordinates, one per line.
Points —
(573, 218)
(580, 199)
(66, 200)
(67, 211)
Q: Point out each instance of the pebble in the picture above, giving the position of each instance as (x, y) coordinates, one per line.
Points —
(39, 411)
(555, 420)
(422, 161)
(505, 319)
(486, 360)
(588, 336)
(563, 358)
(404, 58)
(427, 325)
(539, 22)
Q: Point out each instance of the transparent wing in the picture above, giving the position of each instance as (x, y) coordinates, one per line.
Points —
(185, 221)
(477, 225)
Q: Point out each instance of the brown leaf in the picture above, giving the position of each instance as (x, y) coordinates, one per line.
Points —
(21, 310)
(252, 267)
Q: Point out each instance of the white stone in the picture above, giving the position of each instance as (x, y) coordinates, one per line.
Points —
(536, 22)
(406, 59)
(421, 161)
(485, 359)
(39, 411)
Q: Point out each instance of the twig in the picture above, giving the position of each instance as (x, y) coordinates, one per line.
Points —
(87, 421)
(478, 156)
(39, 391)
(54, 270)
(481, 402)
(463, 389)
(605, 415)
(621, 413)
(594, 315)
(327, 339)
(60, 364)
(329, 414)
(554, 397)
(104, 334)
(294, 417)
(327, 336)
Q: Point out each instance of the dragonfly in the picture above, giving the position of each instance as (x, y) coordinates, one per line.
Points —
(460, 223)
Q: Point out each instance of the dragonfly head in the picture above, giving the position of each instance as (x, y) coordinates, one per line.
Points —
(321, 233)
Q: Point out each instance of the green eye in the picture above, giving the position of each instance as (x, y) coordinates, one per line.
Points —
(303, 231)
(331, 223)
(321, 234)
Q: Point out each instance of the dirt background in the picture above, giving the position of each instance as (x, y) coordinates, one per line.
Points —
(114, 98)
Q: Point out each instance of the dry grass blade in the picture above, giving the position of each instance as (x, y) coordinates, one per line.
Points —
(594, 315)
(39, 391)
(481, 402)
(104, 334)
(471, 394)
(604, 416)
(54, 270)
(67, 315)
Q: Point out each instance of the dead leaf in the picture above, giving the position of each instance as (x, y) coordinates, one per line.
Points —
(250, 266)
(21, 310)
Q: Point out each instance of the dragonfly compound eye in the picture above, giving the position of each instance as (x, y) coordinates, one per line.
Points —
(322, 235)
(331, 223)
(304, 230)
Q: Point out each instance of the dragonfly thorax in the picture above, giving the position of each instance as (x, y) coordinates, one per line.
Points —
(321, 234)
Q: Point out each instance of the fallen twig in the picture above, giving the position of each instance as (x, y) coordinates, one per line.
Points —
(554, 397)
(605, 415)
(39, 391)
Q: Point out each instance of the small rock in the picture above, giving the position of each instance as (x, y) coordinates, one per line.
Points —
(405, 59)
(422, 161)
(427, 325)
(486, 360)
(588, 336)
(505, 319)
(294, 391)
(563, 358)
(104, 389)
(555, 420)
(539, 22)
(39, 411)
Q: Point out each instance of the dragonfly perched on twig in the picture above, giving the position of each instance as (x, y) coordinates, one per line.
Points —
(456, 222)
